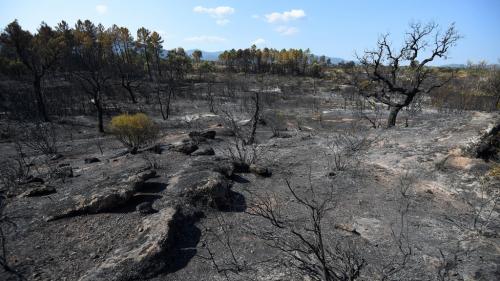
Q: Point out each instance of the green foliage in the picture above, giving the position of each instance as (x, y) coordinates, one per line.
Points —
(495, 171)
(134, 131)
(291, 61)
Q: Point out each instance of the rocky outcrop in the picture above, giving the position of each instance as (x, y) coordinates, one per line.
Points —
(204, 182)
(39, 191)
(108, 194)
(143, 257)
(488, 147)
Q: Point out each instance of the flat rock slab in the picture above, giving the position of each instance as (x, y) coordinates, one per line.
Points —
(371, 229)
(142, 257)
(39, 191)
(106, 195)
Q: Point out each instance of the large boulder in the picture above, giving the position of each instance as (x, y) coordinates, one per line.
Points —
(203, 187)
(143, 257)
(186, 147)
(204, 182)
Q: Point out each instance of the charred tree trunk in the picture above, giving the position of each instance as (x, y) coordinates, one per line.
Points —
(393, 114)
(127, 87)
(39, 98)
(255, 118)
(147, 64)
(158, 95)
(99, 107)
(169, 99)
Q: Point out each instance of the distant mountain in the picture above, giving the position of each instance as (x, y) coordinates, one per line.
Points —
(214, 56)
(453, 65)
(335, 60)
(210, 56)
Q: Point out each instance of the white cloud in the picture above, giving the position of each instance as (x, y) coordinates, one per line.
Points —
(205, 39)
(258, 41)
(101, 9)
(217, 12)
(285, 16)
(285, 30)
(222, 22)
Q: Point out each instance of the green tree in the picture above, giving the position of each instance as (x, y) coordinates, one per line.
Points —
(156, 47)
(143, 43)
(39, 54)
(93, 52)
(197, 55)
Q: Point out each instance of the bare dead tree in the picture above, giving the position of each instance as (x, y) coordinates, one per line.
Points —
(346, 148)
(238, 149)
(255, 117)
(447, 264)
(42, 138)
(400, 234)
(482, 203)
(492, 86)
(395, 76)
(307, 242)
(220, 236)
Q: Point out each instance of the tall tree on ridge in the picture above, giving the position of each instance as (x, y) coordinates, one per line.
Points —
(39, 53)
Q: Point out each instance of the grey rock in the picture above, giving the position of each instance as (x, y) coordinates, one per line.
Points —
(39, 191)
(261, 171)
(204, 182)
(145, 208)
(64, 172)
(109, 194)
(205, 134)
(204, 151)
(205, 187)
(185, 147)
(35, 180)
(91, 160)
(142, 257)
(56, 157)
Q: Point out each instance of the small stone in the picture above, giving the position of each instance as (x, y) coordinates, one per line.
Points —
(91, 160)
(145, 208)
(185, 147)
(56, 157)
(261, 171)
(64, 172)
(209, 134)
(204, 151)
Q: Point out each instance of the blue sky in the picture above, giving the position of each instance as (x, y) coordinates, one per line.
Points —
(330, 27)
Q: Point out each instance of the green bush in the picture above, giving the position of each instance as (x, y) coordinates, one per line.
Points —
(134, 131)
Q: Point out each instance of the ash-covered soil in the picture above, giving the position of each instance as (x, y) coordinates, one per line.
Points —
(97, 225)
